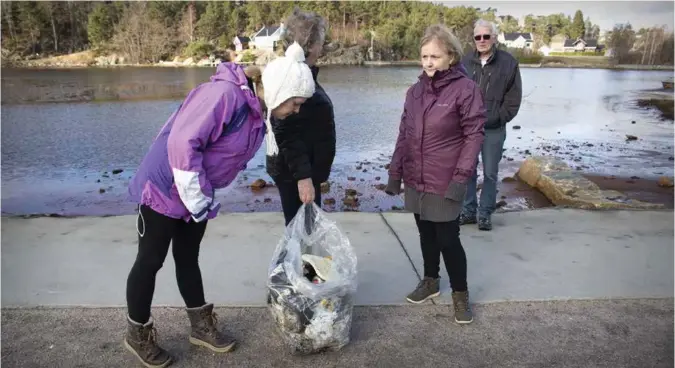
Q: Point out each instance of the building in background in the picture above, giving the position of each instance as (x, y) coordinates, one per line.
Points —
(581, 45)
(516, 40)
(267, 37)
(241, 43)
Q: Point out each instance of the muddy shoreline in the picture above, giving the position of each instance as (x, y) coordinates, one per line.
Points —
(362, 190)
(601, 132)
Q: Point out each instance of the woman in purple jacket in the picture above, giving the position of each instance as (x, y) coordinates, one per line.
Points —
(205, 143)
(440, 135)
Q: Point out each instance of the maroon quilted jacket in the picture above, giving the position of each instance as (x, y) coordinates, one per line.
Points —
(440, 135)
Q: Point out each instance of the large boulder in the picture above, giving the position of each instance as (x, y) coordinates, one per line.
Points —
(566, 187)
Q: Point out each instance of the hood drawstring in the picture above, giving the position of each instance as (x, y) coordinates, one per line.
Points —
(270, 139)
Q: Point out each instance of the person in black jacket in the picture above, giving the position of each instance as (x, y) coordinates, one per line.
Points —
(306, 140)
(498, 75)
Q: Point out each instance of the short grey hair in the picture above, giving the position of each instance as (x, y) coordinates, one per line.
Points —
(305, 28)
(482, 23)
(447, 39)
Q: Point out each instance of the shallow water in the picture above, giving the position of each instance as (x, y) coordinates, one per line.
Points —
(55, 152)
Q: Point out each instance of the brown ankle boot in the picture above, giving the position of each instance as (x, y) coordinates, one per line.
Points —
(463, 314)
(205, 330)
(141, 341)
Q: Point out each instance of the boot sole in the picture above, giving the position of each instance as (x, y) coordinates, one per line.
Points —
(225, 349)
(463, 322)
(425, 299)
(163, 365)
(468, 223)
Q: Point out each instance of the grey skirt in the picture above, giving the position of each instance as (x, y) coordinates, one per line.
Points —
(431, 207)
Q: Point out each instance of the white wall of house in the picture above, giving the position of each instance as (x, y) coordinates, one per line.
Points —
(238, 46)
(265, 42)
(518, 43)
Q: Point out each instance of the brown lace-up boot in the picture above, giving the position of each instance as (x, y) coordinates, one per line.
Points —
(460, 300)
(141, 340)
(205, 330)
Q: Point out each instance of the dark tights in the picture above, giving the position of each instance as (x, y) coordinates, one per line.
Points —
(156, 232)
(438, 238)
(290, 198)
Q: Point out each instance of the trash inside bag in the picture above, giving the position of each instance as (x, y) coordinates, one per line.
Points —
(311, 282)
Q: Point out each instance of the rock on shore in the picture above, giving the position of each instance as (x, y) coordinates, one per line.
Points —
(566, 187)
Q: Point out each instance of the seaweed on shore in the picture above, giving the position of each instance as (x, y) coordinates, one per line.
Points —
(663, 105)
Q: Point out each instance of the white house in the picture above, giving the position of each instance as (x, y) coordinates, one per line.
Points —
(241, 43)
(516, 40)
(581, 45)
(267, 37)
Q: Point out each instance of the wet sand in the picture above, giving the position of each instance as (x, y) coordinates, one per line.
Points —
(642, 189)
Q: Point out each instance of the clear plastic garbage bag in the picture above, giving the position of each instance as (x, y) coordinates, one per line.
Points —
(311, 282)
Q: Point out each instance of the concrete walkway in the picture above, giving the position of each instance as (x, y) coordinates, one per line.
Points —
(622, 260)
(534, 255)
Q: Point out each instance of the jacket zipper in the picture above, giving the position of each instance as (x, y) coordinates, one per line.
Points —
(487, 87)
(424, 119)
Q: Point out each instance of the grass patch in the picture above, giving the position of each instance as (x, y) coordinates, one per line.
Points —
(577, 60)
(573, 54)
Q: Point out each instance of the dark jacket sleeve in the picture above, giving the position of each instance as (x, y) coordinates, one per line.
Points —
(512, 98)
(472, 123)
(292, 148)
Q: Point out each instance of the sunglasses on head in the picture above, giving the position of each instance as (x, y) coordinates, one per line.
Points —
(485, 37)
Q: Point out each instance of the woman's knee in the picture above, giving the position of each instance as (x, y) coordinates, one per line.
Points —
(448, 234)
(149, 263)
(186, 262)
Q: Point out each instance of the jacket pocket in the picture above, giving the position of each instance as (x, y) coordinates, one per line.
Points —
(493, 118)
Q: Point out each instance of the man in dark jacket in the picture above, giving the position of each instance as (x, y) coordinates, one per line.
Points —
(498, 75)
(306, 140)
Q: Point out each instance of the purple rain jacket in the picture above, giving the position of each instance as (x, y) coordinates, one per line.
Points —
(205, 143)
(440, 135)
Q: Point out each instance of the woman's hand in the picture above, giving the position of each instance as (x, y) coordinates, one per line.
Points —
(306, 190)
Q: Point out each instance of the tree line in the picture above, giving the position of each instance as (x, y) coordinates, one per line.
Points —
(152, 31)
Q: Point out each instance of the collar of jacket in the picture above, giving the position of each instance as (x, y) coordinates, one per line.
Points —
(441, 79)
(315, 71)
(493, 55)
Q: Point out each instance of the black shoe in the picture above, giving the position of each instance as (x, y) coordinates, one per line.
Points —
(485, 224)
(465, 219)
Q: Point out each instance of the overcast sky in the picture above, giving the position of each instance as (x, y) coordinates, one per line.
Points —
(603, 13)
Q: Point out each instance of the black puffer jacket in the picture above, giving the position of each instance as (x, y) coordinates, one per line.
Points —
(306, 140)
(500, 82)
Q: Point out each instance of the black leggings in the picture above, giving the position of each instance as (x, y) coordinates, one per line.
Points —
(438, 238)
(290, 198)
(155, 233)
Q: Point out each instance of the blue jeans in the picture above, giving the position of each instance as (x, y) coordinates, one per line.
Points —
(491, 154)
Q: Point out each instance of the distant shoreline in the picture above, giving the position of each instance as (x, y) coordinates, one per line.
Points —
(38, 66)
(543, 66)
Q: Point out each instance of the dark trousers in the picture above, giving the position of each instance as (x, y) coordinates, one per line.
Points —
(155, 233)
(290, 197)
(438, 238)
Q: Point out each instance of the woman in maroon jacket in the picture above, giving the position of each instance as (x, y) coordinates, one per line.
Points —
(440, 136)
